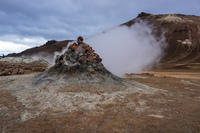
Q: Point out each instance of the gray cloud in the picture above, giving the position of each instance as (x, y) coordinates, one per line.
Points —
(67, 19)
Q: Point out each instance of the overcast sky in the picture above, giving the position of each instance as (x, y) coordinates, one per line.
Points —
(28, 23)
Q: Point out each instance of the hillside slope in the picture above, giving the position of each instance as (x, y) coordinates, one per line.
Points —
(182, 33)
(47, 49)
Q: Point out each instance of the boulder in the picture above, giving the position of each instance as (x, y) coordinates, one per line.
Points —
(50, 42)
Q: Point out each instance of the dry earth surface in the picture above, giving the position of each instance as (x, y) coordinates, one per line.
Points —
(163, 100)
(144, 103)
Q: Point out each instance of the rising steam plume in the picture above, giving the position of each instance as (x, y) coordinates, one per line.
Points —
(128, 49)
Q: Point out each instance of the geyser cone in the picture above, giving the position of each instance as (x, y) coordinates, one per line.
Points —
(78, 64)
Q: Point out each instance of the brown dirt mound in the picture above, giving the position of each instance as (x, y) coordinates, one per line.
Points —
(7, 68)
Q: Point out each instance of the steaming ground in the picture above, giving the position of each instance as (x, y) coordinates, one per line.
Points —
(57, 104)
(123, 49)
(63, 95)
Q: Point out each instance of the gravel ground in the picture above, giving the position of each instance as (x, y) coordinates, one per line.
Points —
(144, 103)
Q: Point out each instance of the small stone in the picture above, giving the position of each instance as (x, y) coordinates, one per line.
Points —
(15, 71)
(90, 68)
(21, 71)
(3, 107)
(82, 59)
(81, 54)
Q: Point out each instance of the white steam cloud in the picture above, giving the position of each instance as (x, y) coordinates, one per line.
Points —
(128, 49)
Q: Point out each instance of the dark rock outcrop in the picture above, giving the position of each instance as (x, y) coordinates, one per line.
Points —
(50, 42)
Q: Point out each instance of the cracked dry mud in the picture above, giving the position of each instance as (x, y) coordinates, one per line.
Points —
(142, 104)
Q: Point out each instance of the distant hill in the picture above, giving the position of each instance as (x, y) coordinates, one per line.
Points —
(47, 49)
(182, 33)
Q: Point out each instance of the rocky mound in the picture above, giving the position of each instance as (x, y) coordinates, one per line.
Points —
(79, 58)
(78, 64)
(8, 68)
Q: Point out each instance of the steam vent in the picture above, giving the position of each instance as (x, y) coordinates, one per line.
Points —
(79, 57)
(79, 63)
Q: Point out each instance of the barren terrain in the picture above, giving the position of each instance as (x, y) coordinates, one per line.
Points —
(165, 99)
(144, 103)
(183, 70)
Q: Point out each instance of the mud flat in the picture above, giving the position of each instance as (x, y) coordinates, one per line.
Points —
(182, 74)
(182, 71)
